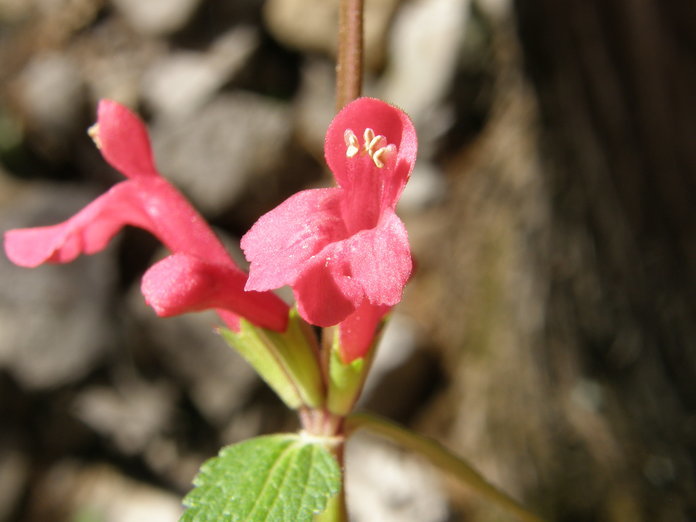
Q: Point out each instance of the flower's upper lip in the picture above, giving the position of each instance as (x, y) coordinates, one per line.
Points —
(357, 248)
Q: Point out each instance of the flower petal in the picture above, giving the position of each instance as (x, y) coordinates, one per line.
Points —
(380, 260)
(172, 219)
(325, 292)
(280, 243)
(123, 140)
(87, 232)
(385, 120)
(357, 331)
(182, 283)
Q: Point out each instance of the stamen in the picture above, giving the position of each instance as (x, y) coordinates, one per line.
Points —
(368, 135)
(352, 144)
(373, 142)
(374, 146)
(383, 154)
(377, 143)
(93, 133)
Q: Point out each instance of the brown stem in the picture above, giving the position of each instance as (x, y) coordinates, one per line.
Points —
(350, 52)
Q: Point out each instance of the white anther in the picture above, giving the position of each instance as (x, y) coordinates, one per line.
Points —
(373, 142)
(383, 154)
(368, 135)
(374, 146)
(352, 144)
(93, 133)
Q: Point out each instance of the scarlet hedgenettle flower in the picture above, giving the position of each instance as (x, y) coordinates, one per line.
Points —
(198, 275)
(343, 250)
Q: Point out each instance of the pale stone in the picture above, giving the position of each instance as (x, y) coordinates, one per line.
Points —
(311, 25)
(386, 484)
(156, 17)
(180, 82)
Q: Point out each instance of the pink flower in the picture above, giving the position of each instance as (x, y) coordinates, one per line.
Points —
(343, 250)
(198, 275)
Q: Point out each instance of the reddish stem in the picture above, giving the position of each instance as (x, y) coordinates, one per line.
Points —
(350, 52)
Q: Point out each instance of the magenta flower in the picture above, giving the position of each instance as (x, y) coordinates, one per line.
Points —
(198, 275)
(343, 250)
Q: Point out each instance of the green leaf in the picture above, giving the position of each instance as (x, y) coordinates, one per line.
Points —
(280, 478)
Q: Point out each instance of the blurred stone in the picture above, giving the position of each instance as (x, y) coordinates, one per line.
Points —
(310, 25)
(166, 457)
(180, 82)
(50, 92)
(214, 153)
(424, 47)
(316, 104)
(386, 484)
(71, 491)
(132, 414)
(156, 17)
(114, 61)
(54, 319)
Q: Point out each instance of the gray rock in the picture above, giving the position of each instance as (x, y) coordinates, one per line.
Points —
(131, 415)
(180, 82)
(156, 17)
(424, 47)
(51, 97)
(310, 25)
(214, 153)
(316, 104)
(78, 491)
(384, 483)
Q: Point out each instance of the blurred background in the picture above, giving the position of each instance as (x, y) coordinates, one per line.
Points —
(549, 332)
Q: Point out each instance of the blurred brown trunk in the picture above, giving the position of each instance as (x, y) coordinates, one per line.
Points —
(570, 262)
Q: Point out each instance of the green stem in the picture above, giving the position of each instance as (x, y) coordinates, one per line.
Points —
(349, 60)
(440, 457)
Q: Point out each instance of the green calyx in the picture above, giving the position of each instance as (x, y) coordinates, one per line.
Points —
(287, 361)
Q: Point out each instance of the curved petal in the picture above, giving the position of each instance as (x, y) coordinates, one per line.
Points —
(357, 331)
(387, 182)
(87, 232)
(173, 220)
(183, 283)
(325, 292)
(280, 243)
(123, 140)
(380, 260)
(152, 204)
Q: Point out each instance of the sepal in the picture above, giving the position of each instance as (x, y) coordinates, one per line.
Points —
(346, 379)
(287, 361)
